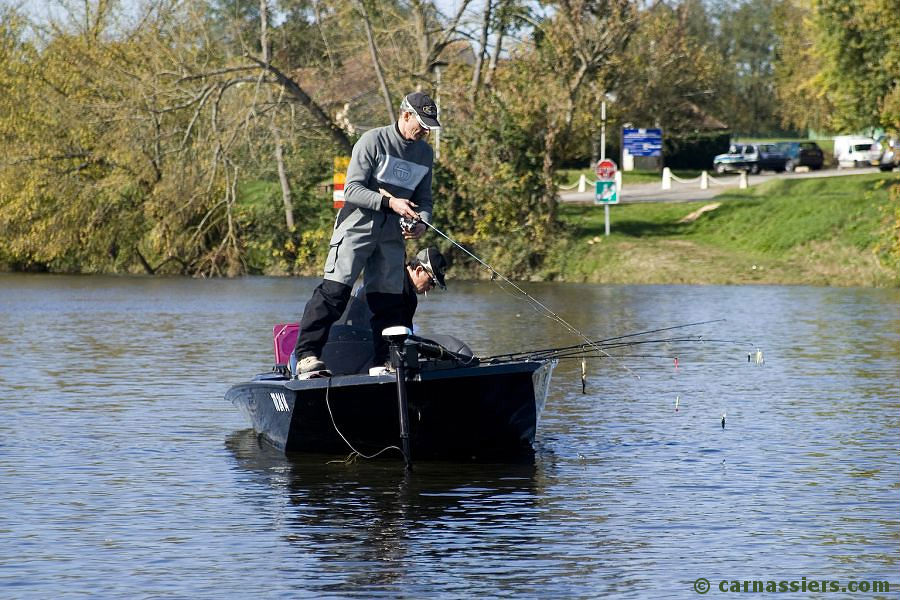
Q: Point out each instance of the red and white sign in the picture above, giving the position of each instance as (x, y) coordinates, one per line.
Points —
(340, 177)
(606, 170)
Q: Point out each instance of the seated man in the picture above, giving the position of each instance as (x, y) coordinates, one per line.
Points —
(423, 273)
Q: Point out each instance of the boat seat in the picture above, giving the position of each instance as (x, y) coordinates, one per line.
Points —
(349, 349)
(285, 338)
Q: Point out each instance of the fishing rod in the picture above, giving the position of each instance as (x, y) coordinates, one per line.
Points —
(620, 354)
(546, 311)
(605, 341)
(579, 350)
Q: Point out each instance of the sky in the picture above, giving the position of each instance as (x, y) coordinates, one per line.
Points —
(41, 8)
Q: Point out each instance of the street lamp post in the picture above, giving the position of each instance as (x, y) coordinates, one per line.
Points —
(603, 153)
(603, 128)
(437, 101)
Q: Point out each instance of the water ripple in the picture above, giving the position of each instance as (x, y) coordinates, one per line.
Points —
(124, 473)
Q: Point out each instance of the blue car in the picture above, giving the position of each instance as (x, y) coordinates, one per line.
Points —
(802, 154)
(750, 157)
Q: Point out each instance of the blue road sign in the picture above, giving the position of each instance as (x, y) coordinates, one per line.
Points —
(642, 142)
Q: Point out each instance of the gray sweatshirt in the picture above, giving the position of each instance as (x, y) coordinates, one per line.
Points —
(382, 158)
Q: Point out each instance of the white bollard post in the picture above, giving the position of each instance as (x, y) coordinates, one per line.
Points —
(704, 180)
(667, 178)
(743, 181)
(582, 182)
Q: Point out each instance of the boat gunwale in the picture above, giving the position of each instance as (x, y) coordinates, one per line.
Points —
(353, 380)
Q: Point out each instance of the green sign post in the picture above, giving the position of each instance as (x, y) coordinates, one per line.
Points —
(606, 190)
(606, 193)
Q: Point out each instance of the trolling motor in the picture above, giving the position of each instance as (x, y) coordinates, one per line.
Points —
(397, 336)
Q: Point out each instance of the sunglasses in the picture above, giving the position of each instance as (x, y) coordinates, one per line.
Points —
(431, 280)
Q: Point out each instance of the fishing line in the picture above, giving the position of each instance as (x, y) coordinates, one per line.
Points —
(546, 311)
(621, 337)
(355, 453)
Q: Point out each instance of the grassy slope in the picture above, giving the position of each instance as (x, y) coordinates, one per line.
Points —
(822, 231)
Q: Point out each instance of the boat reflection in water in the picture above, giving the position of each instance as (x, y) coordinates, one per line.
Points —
(369, 524)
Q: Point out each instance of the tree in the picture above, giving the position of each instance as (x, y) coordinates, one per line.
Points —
(670, 75)
(746, 44)
(137, 141)
(581, 42)
(860, 61)
(803, 100)
(73, 177)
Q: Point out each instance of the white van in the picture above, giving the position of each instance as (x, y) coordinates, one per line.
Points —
(856, 151)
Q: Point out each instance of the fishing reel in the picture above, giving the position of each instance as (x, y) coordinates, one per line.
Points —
(407, 225)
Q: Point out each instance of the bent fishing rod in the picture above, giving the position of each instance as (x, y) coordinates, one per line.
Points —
(546, 311)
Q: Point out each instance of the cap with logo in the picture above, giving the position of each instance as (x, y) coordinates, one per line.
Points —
(434, 263)
(424, 108)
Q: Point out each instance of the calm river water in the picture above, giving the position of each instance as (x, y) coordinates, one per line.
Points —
(124, 473)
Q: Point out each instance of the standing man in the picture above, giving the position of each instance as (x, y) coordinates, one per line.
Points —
(389, 177)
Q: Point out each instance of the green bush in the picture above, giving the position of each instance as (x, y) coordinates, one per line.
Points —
(488, 190)
(694, 150)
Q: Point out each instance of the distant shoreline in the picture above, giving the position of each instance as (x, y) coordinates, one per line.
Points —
(811, 231)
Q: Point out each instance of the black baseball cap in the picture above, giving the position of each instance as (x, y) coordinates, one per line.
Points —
(424, 108)
(435, 263)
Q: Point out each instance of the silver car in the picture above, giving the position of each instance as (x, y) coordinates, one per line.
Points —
(890, 153)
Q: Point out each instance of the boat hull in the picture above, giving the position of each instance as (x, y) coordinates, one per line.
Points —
(471, 413)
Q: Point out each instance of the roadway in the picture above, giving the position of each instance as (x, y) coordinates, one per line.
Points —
(691, 192)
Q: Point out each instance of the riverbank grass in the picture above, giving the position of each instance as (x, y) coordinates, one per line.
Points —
(821, 231)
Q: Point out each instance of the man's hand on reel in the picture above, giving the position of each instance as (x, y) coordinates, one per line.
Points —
(403, 207)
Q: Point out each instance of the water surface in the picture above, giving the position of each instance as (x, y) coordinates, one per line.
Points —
(124, 473)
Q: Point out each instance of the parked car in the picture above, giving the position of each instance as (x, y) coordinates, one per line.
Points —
(750, 157)
(856, 151)
(802, 154)
(890, 153)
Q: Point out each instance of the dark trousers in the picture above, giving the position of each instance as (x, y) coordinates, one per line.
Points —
(326, 306)
(387, 311)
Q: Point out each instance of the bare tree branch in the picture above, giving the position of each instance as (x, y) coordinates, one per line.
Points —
(430, 50)
(373, 51)
(482, 49)
(286, 199)
(293, 88)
